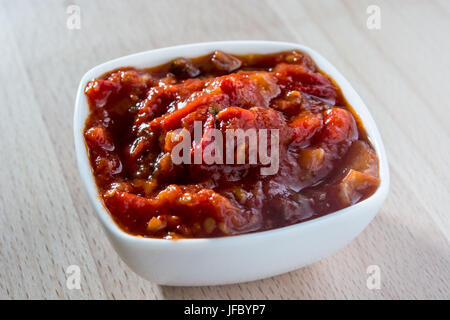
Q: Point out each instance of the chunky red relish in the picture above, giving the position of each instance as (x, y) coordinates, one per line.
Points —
(325, 161)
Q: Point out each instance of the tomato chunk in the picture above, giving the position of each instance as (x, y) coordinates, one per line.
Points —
(98, 91)
(339, 126)
(305, 126)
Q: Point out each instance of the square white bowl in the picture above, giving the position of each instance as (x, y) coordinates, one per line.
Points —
(225, 260)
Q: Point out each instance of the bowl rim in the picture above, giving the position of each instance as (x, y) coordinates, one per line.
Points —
(254, 46)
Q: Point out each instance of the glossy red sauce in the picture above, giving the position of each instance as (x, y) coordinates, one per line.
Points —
(325, 159)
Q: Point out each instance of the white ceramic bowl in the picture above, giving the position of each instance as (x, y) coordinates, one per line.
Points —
(193, 262)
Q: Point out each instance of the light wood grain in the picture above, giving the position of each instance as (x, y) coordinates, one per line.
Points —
(401, 71)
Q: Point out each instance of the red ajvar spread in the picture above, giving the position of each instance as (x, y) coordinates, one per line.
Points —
(325, 159)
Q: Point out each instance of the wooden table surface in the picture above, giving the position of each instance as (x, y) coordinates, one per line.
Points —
(401, 71)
